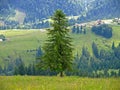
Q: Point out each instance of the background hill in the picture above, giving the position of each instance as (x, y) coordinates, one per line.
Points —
(24, 43)
(32, 13)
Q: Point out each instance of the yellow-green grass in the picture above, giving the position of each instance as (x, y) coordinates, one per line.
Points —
(19, 41)
(57, 83)
(86, 40)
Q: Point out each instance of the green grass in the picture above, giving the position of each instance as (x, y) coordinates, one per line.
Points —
(103, 43)
(19, 41)
(57, 83)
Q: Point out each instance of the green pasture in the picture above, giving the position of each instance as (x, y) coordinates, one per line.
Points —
(57, 83)
(20, 41)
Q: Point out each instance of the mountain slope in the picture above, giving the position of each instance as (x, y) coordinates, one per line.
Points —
(25, 42)
(36, 11)
(42, 8)
(104, 9)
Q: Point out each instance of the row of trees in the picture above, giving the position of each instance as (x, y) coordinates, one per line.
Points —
(17, 67)
(101, 64)
(16, 25)
(78, 30)
(103, 30)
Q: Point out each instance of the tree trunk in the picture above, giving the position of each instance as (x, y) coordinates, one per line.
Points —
(61, 74)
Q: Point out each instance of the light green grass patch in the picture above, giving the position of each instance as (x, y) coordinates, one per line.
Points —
(57, 83)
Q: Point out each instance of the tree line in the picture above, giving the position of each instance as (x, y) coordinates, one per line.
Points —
(102, 30)
(79, 29)
(103, 63)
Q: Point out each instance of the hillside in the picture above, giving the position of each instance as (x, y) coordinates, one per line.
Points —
(34, 12)
(25, 42)
(104, 9)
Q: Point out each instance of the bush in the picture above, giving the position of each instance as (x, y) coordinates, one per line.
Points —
(2, 37)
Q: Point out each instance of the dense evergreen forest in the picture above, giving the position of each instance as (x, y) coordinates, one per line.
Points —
(37, 11)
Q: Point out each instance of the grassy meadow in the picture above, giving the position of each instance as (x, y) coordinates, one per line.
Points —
(57, 83)
(20, 41)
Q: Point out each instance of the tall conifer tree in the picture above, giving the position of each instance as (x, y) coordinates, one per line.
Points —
(58, 48)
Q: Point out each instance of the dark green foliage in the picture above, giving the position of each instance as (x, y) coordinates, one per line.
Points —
(85, 52)
(73, 29)
(113, 74)
(117, 52)
(113, 46)
(39, 52)
(44, 8)
(31, 70)
(95, 49)
(1, 70)
(16, 71)
(19, 68)
(57, 50)
(5, 70)
(79, 29)
(87, 65)
(2, 37)
(83, 65)
(106, 74)
(103, 30)
(119, 73)
(84, 31)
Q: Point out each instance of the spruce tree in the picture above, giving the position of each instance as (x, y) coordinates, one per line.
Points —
(84, 31)
(1, 70)
(95, 49)
(113, 45)
(58, 48)
(73, 29)
(78, 30)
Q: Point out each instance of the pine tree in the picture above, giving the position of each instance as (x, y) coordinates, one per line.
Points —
(73, 29)
(84, 31)
(58, 49)
(78, 30)
(1, 70)
(119, 73)
(95, 49)
(113, 45)
(39, 52)
(21, 69)
(16, 71)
